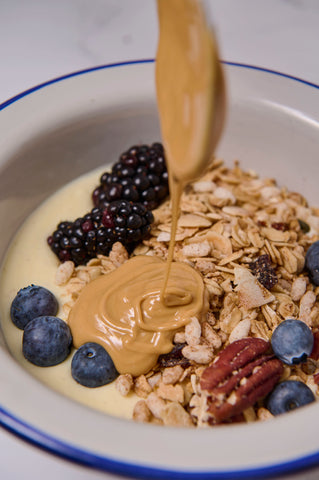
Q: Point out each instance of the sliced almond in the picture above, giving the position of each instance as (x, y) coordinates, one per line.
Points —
(235, 211)
(275, 235)
(231, 258)
(240, 331)
(204, 186)
(182, 235)
(197, 249)
(193, 220)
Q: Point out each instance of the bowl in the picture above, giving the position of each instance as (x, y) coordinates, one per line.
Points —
(59, 130)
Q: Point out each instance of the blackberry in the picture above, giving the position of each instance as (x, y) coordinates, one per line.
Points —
(95, 233)
(140, 175)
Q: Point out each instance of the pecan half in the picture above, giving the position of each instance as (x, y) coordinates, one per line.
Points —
(243, 373)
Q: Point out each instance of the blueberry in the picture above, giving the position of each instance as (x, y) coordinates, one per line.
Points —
(31, 302)
(46, 341)
(92, 366)
(312, 262)
(289, 395)
(292, 341)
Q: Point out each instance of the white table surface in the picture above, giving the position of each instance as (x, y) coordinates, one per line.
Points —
(43, 39)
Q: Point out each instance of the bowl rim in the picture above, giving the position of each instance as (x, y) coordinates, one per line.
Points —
(39, 438)
(30, 90)
(58, 448)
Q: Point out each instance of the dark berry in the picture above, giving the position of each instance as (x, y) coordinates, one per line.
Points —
(141, 182)
(92, 366)
(130, 193)
(107, 219)
(292, 341)
(64, 242)
(87, 225)
(289, 395)
(75, 242)
(95, 233)
(148, 195)
(46, 341)
(134, 177)
(114, 192)
(134, 221)
(312, 262)
(64, 255)
(31, 302)
(174, 357)
(264, 272)
(161, 191)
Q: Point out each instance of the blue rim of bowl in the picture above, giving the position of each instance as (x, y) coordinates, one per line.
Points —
(40, 439)
(135, 62)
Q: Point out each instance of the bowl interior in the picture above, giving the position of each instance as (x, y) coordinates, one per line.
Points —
(263, 132)
(86, 121)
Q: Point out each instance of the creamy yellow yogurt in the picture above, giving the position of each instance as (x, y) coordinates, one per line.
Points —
(30, 260)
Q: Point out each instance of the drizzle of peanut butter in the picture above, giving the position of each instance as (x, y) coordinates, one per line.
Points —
(190, 97)
(135, 310)
(123, 311)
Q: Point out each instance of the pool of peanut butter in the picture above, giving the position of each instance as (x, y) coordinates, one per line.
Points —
(30, 260)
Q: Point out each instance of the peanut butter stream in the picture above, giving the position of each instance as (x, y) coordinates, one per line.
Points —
(135, 311)
(190, 97)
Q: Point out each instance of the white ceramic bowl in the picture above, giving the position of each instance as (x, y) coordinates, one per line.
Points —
(70, 125)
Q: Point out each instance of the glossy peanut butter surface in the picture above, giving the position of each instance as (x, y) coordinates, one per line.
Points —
(188, 85)
(123, 311)
(190, 97)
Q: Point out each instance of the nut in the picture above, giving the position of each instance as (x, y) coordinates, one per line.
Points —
(242, 374)
(198, 353)
(174, 393)
(193, 332)
(124, 384)
(64, 273)
(176, 416)
(171, 375)
(141, 412)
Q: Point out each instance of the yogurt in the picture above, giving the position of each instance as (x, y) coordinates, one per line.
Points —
(29, 260)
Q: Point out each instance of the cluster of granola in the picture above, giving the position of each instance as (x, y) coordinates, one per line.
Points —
(248, 238)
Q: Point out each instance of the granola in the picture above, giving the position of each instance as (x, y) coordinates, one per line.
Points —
(248, 238)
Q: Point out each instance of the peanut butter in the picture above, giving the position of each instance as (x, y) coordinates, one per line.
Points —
(123, 311)
(135, 311)
(189, 85)
(190, 97)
